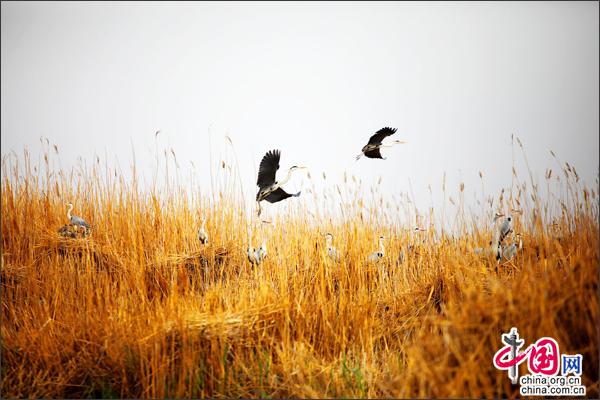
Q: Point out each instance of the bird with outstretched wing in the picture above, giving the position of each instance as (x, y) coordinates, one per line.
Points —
(269, 188)
(372, 148)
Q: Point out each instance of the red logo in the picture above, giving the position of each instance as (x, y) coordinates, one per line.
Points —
(543, 356)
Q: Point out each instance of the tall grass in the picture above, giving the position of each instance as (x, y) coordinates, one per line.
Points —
(141, 309)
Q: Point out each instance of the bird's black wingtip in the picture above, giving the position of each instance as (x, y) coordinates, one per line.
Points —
(387, 130)
(272, 153)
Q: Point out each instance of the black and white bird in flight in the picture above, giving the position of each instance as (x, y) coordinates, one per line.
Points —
(371, 149)
(270, 189)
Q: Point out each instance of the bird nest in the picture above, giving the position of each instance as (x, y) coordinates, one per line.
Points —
(11, 275)
(196, 269)
(72, 244)
(72, 231)
(201, 258)
(235, 326)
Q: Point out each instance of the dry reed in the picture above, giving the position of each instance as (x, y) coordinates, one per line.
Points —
(140, 308)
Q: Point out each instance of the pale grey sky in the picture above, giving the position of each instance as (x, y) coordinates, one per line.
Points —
(312, 79)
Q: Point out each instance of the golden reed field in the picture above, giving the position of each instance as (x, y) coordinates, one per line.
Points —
(141, 309)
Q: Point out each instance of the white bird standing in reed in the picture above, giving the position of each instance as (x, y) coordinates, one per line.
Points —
(378, 255)
(77, 221)
(331, 251)
(202, 235)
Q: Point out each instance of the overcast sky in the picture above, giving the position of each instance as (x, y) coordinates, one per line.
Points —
(312, 79)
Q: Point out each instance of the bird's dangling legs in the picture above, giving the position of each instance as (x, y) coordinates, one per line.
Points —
(358, 156)
(259, 208)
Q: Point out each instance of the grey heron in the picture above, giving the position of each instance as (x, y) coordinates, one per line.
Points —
(331, 251)
(378, 255)
(77, 221)
(202, 235)
(371, 149)
(251, 253)
(257, 256)
(504, 227)
(261, 253)
(270, 189)
(501, 229)
(510, 251)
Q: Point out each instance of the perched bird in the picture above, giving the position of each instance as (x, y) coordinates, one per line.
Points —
(510, 251)
(331, 251)
(270, 189)
(251, 253)
(257, 256)
(378, 255)
(504, 226)
(371, 149)
(202, 235)
(77, 221)
(261, 253)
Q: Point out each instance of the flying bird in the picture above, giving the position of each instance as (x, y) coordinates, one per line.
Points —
(371, 149)
(77, 221)
(270, 189)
